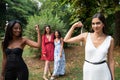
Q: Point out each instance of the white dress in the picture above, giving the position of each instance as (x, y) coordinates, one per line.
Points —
(59, 62)
(99, 54)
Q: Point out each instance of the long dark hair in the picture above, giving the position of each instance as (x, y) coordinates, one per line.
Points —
(45, 29)
(9, 33)
(101, 17)
(58, 33)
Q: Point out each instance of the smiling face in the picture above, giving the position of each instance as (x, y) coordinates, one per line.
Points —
(97, 25)
(47, 29)
(56, 34)
(17, 30)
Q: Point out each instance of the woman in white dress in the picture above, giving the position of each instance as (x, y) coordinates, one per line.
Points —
(99, 62)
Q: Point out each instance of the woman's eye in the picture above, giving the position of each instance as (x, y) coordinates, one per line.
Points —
(93, 23)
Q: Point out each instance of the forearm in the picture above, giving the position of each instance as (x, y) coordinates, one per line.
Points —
(111, 66)
(39, 39)
(61, 49)
(3, 67)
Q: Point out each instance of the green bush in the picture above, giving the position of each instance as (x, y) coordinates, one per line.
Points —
(45, 17)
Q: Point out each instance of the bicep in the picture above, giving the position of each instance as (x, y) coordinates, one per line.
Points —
(80, 37)
(30, 43)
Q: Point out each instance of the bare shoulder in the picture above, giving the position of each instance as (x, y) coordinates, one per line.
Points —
(24, 39)
(112, 39)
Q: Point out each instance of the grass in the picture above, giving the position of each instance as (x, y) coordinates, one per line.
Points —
(74, 64)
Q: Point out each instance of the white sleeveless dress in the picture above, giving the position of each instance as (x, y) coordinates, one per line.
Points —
(99, 54)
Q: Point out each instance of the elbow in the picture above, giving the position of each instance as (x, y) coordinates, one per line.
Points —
(64, 40)
(39, 46)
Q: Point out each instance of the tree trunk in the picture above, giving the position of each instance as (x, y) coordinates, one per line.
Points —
(117, 24)
(2, 17)
(117, 28)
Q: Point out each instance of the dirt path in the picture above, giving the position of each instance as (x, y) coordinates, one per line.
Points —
(74, 57)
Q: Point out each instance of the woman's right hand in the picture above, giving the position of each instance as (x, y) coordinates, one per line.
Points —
(77, 24)
(44, 55)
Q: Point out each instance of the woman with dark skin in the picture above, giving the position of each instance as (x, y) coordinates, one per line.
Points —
(47, 50)
(13, 65)
(99, 61)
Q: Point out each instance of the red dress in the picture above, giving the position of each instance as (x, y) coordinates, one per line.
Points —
(47, 48)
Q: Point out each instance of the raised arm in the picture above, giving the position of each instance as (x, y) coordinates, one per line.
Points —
(77, 38)
(33, 43)
(111, 59)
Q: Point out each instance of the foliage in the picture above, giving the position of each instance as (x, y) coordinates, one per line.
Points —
(53, 13)
(84, 10)
(20, 9)
(16, 9)
(2, 17)
(68, 11)
(45, 18)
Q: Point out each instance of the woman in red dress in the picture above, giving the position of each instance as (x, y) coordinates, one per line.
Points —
(47, 50)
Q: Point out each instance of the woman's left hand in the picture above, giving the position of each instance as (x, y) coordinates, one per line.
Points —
(37, 28)
(60, 55)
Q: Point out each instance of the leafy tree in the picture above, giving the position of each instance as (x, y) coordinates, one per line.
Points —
(117, 22)
(20, 9)
(2, 17)
(46, 17)
(16, 9)
(84, 9)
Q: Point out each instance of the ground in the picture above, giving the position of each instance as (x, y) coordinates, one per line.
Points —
(74, 63)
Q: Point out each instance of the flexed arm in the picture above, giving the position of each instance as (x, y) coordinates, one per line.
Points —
(33, 43)
(70, 39)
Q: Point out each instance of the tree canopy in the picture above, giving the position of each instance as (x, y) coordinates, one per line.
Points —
(61, 14)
